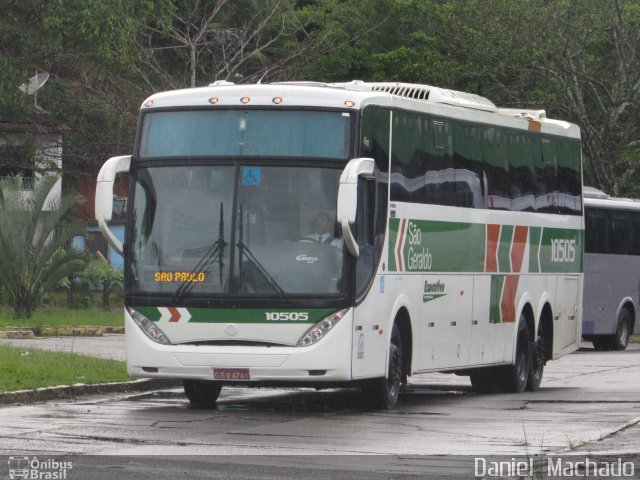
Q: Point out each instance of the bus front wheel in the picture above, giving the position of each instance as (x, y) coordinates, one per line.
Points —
(383, 392)
(202, 393)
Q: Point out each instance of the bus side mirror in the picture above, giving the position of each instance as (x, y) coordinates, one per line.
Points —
(104, 196)
(348, 198)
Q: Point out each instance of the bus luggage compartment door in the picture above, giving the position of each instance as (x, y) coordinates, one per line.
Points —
(568, 316)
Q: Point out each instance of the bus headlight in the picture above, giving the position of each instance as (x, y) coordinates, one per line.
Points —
(320, 329)
(150, 329)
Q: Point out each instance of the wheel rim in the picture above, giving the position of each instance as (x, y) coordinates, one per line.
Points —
(538, 357)
(521, 359)
(623, 334)
(395, 371)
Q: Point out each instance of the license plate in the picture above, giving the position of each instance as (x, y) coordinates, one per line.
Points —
(231, 374)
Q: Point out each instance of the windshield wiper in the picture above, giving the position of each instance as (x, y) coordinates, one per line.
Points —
(215, 252)
(246, 252)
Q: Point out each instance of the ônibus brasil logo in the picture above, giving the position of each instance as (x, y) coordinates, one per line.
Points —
(23, 467)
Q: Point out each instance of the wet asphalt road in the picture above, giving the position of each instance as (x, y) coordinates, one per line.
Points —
(589, 403)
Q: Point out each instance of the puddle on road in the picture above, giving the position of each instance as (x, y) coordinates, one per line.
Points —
(307, 401)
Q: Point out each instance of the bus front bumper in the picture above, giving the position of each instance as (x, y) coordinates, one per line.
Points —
(328, 361)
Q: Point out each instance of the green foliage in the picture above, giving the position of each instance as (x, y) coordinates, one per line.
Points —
(102, 275)
(577, 59)
(34, 236)
(63, 317)
(22, 369)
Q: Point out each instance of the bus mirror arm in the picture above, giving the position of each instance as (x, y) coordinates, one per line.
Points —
(348, 198)
(104, 196)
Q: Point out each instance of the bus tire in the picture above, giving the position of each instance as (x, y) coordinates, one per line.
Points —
(600, 343)
(202, 393)
(382, 393)
(537, 361)
(514, 378)
(485, 380)
(620, 340)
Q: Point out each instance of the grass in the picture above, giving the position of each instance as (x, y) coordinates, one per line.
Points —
(22, 368)
(635, 338)
(61, 317)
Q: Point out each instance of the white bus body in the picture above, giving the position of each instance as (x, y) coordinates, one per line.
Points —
(457, 243)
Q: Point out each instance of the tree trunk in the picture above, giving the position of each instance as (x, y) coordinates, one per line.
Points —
(24, 303)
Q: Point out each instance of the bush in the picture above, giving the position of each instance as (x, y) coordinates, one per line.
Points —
(101, 275)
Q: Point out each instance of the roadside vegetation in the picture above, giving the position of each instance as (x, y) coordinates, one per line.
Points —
(28, 368)
(63, 317)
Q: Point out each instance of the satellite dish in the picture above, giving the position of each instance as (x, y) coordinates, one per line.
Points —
(35, 83)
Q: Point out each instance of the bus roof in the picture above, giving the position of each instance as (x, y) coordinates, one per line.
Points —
(358, 94)
(597, 198)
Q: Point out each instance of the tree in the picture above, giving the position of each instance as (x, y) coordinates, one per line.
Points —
(35, 233)
(591, 60)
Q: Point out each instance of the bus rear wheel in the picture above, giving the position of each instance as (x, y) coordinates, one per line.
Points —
(537, 361)
(202, 393)
(621, 338)
(485, 380)
(382, 393)
(514, 378)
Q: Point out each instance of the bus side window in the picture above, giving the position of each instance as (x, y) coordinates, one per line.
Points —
(467, 161)
(365, 222)
(620, 234)
(546, 191)
(596, 230)
(635, 243)
(569, 180)
(496, 168)
(521, 161)
(408, 158)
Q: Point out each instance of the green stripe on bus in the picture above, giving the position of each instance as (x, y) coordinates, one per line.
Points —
(434, 246)
(535, 235)
(245, 315)
(437, 246)
(394, 226)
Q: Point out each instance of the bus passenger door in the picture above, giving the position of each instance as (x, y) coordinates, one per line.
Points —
(370, 341)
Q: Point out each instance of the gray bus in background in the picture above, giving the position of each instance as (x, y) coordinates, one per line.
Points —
(611, 269)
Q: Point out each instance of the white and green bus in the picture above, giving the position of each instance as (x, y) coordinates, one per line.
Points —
(351, 234)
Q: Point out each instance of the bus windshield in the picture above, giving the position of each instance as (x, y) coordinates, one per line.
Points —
(282, 239)
(236, 133)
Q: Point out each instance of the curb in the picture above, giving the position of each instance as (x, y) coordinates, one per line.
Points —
(81, 389)
(20, 333)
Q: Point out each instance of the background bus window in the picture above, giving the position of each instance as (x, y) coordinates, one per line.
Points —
(596, 231)
(635, 229)
(620, 234)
